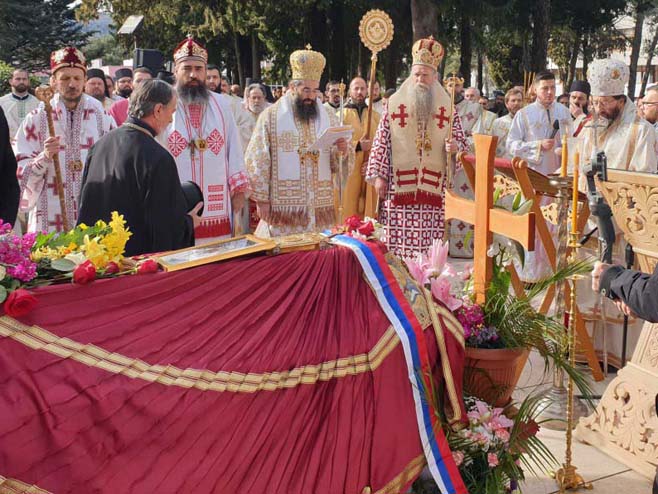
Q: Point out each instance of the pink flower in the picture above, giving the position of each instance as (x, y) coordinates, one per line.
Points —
(492, 459)
(440, 288)
(112, 268)
(416, 269)
(458, 456)
(503, 435)
(438, 256)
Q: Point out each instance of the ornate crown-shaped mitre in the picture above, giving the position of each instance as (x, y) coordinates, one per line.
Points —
(307, 64)
(427, 51)
(190, 49)
(69, 56)
(608, 77)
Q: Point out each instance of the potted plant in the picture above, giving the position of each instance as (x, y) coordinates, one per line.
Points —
(499, 334)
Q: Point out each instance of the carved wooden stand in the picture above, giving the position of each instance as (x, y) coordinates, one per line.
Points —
(624, 424)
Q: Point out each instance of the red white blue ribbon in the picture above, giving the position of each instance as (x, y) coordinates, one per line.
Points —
(406, 325)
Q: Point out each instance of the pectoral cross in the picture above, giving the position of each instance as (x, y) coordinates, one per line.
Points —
(485, 218)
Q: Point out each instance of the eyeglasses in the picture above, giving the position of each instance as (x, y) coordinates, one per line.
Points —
(650, 103)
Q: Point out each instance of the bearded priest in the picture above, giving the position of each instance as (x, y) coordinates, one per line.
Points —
(293, 185)
(205, 142)
(408, 159)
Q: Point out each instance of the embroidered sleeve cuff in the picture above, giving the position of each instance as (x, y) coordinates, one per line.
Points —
(536, 154)
(238, 182)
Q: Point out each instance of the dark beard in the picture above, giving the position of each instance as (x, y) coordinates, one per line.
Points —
(99, 97)
(304, 112)
(190, 94)
(125, 93)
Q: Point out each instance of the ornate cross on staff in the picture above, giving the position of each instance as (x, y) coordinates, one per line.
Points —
(485, 218)
(45, 94)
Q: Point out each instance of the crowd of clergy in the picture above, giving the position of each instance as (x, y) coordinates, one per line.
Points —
(188, 158)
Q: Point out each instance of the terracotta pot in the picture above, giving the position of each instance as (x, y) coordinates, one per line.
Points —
(492, 374)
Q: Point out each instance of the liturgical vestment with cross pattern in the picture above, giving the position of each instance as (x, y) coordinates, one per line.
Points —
(78, 131)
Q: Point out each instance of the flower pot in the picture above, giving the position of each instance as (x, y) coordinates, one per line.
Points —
(492, 374)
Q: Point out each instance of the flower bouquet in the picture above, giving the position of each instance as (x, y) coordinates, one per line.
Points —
(80, 255)
(492, 451)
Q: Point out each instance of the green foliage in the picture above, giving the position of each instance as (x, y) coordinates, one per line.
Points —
(32, 29)
(519, 325)
(108, 48)
(6, 72)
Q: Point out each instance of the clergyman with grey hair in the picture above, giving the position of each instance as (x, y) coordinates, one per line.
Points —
(128, 171)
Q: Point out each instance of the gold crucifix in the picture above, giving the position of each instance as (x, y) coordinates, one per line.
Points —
(487, 219)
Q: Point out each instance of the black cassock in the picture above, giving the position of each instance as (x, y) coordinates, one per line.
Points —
(129, 172)
(9, 190)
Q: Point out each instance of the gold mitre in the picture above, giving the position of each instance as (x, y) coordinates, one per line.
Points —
(428, 52)
(307, 64)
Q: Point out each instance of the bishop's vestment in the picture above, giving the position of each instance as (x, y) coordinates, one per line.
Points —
(297, 182)
(414, 167)
(205, 142)
(629, 142)
(78, 131)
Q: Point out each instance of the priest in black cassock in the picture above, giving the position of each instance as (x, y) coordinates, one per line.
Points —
(130, 172)
(9, 189)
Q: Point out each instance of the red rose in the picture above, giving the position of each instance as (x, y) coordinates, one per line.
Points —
(148, 266)
(366, 229)
(352, 223)
(112, 268)
(19, 303)
(84, 273)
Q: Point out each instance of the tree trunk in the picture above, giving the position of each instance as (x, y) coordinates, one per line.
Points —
(238, 57)
(466, 53)
(586, 55)
(649, 67)
(571, 73)
(255, 58)
(424, 19)
(635, 51)
(480, 81)
(541, 17)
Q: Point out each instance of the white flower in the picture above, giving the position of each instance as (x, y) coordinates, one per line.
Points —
(76, 257)
(493, 250)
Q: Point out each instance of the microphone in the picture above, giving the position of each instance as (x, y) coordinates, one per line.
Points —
(556, 128)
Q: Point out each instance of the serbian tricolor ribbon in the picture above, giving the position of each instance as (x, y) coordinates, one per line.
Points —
(406, 325)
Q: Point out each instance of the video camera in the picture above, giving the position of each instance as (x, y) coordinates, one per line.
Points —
(600, 209)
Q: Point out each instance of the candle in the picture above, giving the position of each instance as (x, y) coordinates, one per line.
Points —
(574, 202)
(565, 157)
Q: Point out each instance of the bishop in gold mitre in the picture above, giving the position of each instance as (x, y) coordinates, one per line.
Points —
(292, 183)
(408, 160)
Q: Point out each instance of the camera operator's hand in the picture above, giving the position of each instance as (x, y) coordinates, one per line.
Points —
(624, 309)
(599, 268)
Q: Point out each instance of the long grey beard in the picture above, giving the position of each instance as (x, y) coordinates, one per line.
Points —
(192, 94)
(423, 103)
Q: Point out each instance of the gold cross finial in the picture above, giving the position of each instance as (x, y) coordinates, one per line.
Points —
(431, 38)
(308, 46)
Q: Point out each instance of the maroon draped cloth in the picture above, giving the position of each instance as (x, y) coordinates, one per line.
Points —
(261, 375)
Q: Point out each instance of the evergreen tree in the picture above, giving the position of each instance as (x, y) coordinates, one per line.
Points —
(32, 29)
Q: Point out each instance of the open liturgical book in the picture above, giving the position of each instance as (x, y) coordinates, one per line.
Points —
(330, 136)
